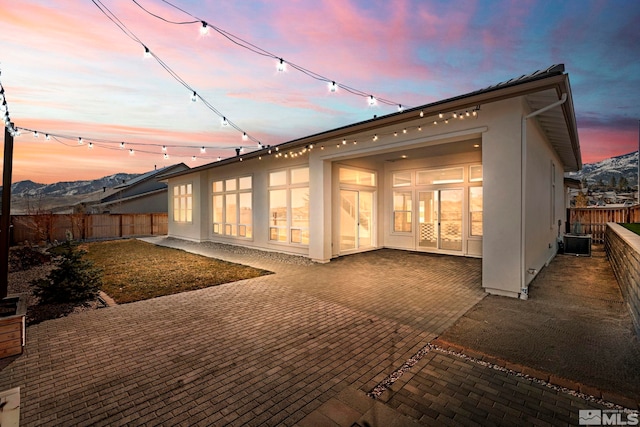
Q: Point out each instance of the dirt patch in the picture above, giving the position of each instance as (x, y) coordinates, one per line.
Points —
(575, 325)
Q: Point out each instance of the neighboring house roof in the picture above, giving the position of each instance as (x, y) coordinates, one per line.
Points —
(540, 88)
(133, 188)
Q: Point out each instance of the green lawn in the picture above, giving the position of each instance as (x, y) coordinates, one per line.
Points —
(635, 227)
(136, 270)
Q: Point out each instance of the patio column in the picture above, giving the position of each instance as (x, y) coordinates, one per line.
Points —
(319, 209)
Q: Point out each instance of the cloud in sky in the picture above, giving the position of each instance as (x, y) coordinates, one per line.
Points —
(68, 69)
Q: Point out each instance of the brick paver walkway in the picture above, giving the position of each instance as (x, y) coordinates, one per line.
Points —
(264, 351)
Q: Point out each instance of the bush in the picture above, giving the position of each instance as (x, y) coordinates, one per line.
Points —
(25, 257)
(72, 280)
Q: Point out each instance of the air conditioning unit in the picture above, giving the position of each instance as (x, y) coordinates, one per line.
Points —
(577, 244)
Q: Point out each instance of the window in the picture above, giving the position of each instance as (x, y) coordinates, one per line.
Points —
(475, 211)
(357, 177)
(183, 203)
(440, 176)
(289, 206)
(402, 179)
(475, 173)
(402, 211)
(232, 208)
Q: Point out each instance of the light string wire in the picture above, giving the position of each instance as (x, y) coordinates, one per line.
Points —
(6, 117)
(260, 51)
(226, 121)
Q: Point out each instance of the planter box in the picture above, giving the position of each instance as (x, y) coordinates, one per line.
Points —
(13, 309)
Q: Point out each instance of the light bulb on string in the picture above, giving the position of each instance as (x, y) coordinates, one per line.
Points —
(47, 137)
(333, 87)
(204, 29)
(80, 142)
(400, 108)
(35, 134)
(281, 65)
(164, 148)
(147, 53)
(121, 145)
(242, 149)
(166, 156)
(218, 158)
(90, 145)
(194, 97)
(440, 115)
(421, 113)
(193, 158)
(404, 130)
(344, 142)
(203, 150)
(246, 138)
(225, 122)
(455, 115)
(131, 152)
(372, 101)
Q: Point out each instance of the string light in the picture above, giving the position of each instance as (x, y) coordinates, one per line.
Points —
(203, 150)
(245, 137)
(131, 152)
(257, 50)
(400, 108)
(225, 122)
(80, 141)
(47, 137)
(193, 158)
(90, 145)
(147, 53)
(121, 145)
(372, 101)
(204, 29)
(166, 156)
(333, 87)
(194, 96)
(421, 113)
(164, 148)
(35, 134)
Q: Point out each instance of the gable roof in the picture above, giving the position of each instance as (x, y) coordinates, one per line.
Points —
(540, 87)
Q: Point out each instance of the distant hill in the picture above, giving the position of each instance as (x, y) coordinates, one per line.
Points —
(625, 165)
(28, 196)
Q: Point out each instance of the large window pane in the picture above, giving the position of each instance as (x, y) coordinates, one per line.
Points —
(475, 210)
(402, 207)
(277, 178)
(231, 214)
(230, 185)
(440, 176)
(244, 183)
(217, 187)
(475, 173)
(299, 176)
(278, 208)
(402, 179)
(300, 207)
(246, 215)
(358, 177)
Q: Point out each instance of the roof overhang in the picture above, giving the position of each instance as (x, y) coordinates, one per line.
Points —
(541, 87)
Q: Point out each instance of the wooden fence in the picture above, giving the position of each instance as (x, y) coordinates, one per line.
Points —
(51, 227)
(594, 220)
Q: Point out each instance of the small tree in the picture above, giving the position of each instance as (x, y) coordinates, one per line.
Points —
(72, 280)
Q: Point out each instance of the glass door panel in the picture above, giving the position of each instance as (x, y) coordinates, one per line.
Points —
(428, 219)
(451, 220)
(365, 218)
(348, 219)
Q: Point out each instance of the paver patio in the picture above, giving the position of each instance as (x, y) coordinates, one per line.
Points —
(273, 350)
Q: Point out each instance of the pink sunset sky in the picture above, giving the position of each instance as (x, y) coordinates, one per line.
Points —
(68, 70)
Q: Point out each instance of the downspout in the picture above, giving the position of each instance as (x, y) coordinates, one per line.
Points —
(524, 288)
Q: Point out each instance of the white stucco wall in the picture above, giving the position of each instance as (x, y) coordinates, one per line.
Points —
(544, 202)
(196, 229)
(501, 160)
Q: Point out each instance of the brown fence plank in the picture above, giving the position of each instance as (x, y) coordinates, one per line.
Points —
(594, 220)
(51, 227)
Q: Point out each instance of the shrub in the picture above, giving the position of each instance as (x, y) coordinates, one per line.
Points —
(25, 257)
(72, 280)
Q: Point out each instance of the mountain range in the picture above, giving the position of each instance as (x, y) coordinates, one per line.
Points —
(625, 165)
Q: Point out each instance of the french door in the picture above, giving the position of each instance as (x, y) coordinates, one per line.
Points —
(356, 220)
(440, 220)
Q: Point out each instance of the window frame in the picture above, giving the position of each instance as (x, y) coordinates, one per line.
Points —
(224, 226)
(288, 230)
(183, 203)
